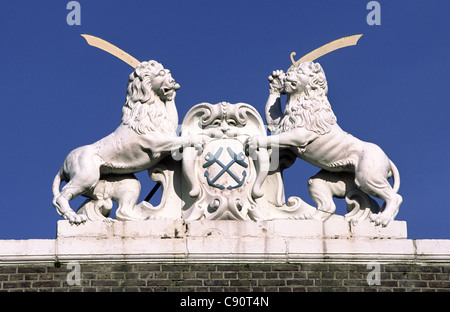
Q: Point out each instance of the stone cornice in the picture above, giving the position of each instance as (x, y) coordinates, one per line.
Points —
(277, 241)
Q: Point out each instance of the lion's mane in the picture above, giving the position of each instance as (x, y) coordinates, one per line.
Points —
(139, 112)
(312, 109)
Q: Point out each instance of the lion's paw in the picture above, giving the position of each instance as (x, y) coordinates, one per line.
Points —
(381, 219)
(74, 218)
(276, 81)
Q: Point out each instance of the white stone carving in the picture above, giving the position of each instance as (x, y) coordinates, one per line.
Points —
(351, 168)
(223, 180)
(146, 135)
(223, 166)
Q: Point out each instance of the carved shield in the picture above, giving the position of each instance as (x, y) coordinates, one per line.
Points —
(221, 178)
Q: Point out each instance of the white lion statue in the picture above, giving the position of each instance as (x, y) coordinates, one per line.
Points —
(146, 135)
(308, 128)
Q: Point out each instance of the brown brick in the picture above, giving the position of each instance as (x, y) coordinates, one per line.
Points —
(358, 275)
(260, 267)
(427, 269)
(355, 282)
(272, 282)
(313, 275)
(328, 282)
(117, 268)
(242, 282)
(202, 275)
(87, 289)
(192, 282)
(232, 267)
(230, 275)
(285, 267)
(271, 288)
(244, 275)
(104, 275)
(147, 267)
(271, 275)
(174, 275)
(88, 276)
(427, 276)
(188, 289)
(158, 282)
(341, 275)
(389, 283)
(256, 275)
(202, 289)
(405, 276)
(84, 268)
(16, 284)
(133, 282)
(215, 283)
(8, 269)
(299, 275)
(443, 277)
(203, 267)
(216, 275)
(334, 289)
(175, 267)
(4, 277)
(31, 269)
(44, 277)
(345, 267)
(17, 277)
(216, 289)
(132, 275)
(327, 275)
(39, 284)
(299, 282)
(439, 284)
(299, 289)
(104, 283)
(314, 267)
(113, 275)
(396, 268)
(188, 275)
(285, 275)
(416, 284)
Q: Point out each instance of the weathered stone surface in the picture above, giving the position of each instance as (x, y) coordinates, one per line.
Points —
(227, 241)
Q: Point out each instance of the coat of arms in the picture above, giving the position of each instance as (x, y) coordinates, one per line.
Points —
(224, 165)
(223, 178)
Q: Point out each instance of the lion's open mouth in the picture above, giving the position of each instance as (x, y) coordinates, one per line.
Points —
(170, 88)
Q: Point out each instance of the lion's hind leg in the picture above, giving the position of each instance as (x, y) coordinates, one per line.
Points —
(392, 204)
(374, 181)
(78, 184)
(322, 188)
(61, 203)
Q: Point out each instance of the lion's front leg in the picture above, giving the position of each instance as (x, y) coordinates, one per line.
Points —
(297, 137)
(160, 144)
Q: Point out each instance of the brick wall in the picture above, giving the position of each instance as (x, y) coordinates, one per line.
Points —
(306, 277)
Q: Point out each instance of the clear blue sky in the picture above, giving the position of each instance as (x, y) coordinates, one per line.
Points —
(58, 93)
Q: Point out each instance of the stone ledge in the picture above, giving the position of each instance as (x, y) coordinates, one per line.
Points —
(176, 241)
(333, 228)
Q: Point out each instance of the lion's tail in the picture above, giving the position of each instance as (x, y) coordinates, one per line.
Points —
(396, 176)
(57, 184)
